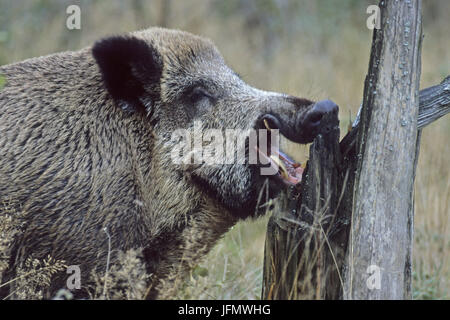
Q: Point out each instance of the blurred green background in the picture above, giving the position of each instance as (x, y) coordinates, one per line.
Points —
(312, 48)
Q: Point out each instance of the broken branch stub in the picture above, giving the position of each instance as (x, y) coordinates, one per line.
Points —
(298, 262)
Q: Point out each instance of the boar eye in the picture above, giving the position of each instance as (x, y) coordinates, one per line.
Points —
(197, 94)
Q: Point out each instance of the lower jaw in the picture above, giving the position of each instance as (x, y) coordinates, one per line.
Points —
(287, 170)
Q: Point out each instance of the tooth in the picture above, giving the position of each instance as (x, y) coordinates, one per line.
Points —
(266, 124)
(281, 165)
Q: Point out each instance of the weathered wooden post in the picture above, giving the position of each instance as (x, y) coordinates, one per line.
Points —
(363, 187)
(379, 256)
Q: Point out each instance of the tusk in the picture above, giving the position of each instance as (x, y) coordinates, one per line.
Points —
(281, 165)
(267, 125)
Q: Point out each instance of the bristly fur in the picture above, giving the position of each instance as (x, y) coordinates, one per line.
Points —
(85, 144)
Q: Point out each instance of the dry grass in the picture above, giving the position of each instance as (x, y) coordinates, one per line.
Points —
(9, 227)
(432, 225)
(126, 280)
(327, 56)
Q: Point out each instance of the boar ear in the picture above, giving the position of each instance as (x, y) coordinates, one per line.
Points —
(131, 70)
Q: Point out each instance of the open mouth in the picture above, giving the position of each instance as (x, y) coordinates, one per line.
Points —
(287, 170)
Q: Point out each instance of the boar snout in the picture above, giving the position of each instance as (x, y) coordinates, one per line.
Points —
(310, 126)
(304, 125)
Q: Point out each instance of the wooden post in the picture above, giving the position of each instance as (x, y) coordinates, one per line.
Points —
(379, 265)
(307, 243)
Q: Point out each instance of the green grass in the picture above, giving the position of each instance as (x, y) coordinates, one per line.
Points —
(233, 269)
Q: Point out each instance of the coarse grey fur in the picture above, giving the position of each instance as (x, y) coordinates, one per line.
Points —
(82, 151)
